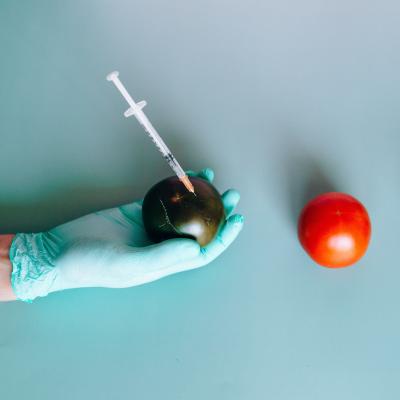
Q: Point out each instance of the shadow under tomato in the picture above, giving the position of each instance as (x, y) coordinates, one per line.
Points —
(306, 177)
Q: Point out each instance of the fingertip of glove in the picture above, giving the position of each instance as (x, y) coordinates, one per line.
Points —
(207, 173)
(232, 195)
(236, 220)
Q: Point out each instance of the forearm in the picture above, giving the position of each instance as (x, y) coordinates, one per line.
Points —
(6, 292)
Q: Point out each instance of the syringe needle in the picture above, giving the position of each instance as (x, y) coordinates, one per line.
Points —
(136, 110)
(185, 180)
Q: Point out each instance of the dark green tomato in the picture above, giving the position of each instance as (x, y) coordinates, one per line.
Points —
(171, 211)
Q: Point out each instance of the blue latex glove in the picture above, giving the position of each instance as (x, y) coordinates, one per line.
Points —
(110, 248)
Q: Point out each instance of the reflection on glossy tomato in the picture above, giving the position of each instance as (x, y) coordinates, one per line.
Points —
(334, 229)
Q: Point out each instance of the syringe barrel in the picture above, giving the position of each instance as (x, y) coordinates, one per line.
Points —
(160, 144)
(136, 110)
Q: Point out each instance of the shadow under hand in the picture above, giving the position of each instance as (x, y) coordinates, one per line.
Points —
(61, 207)
(70, 203)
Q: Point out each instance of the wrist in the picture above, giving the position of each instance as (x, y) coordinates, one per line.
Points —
(6, 291)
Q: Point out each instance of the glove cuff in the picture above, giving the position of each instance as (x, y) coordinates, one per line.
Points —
(33, 268)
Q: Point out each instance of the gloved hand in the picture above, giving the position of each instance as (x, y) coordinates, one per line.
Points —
(110, 248)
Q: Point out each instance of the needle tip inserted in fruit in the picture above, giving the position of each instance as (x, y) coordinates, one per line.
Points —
(188, 185)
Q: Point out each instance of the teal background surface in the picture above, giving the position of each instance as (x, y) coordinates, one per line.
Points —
(283, 99)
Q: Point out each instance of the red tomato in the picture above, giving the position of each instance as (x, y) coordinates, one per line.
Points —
(334, 229)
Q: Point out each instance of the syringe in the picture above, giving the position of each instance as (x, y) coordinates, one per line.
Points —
(136, 110)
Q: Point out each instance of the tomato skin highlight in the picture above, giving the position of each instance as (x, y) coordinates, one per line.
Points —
(334, 229)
